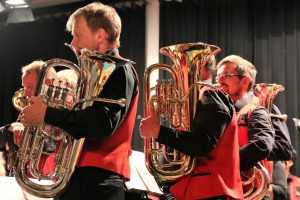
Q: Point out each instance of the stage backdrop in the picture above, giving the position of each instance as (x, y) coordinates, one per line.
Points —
(44, 39)
(266, 32)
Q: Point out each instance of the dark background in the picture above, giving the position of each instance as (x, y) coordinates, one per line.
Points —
(266, 32)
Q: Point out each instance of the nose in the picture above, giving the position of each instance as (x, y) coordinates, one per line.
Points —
(74, 42)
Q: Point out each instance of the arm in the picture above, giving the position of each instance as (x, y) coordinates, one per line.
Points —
(10, 136)
(98, 120)
(101, 119)
(260, 139)
(214, 111)
(282, 148)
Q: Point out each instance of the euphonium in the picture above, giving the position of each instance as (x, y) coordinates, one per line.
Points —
(19, 100)
(175, 101)
(258, 179)
(266, 93)
(92, 72)
(255, 182)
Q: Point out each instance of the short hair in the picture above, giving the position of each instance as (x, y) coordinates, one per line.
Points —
(68, 76)
(98, 16)
(243, 67)
(34, 66)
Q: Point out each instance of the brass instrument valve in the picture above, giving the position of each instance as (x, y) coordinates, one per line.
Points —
(64, 93)
(50, 91)
(58, 90)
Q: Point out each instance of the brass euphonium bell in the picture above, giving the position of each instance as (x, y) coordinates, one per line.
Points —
(266, 93)
(175, 101)
(19, 100)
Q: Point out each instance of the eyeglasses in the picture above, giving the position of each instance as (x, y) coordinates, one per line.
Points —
(226, 76)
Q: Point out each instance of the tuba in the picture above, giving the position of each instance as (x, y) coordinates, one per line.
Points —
(175, 102)
(266, 93)
(92, 71)
(257, 179)
(19, 100)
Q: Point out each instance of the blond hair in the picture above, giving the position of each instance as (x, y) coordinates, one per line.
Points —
(36, 67)
(99, 16)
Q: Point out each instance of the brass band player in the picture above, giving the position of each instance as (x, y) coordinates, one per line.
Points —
(236, 77)
(104, 161)
(29, 79)
(212, 141)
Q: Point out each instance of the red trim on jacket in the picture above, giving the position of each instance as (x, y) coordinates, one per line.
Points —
(113, 153)
(294, 188)
(216, 174)
(243, 133)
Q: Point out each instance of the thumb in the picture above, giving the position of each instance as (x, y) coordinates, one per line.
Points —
(154, 112)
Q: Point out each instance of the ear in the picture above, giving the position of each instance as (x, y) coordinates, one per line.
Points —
(101, 34)
(246, 80)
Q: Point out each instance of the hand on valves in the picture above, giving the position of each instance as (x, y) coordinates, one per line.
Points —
(33, 114)
(149, 126)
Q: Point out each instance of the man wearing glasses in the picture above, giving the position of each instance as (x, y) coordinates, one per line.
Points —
(212, 141)
(236, 76)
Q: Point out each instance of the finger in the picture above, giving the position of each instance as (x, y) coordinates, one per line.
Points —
(33, 99)
(155, 114)
(152, 110)
(21, 118)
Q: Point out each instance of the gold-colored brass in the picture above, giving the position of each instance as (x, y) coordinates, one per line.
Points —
(256, 181)
(266, 93)
(175, 102)
(19, 101)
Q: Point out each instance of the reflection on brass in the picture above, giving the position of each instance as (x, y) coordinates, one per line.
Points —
(174, 101)
(48, 140)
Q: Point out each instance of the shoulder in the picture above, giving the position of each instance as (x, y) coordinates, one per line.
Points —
(217, 96)
(260, 114)
(219, 100)
(260, 110)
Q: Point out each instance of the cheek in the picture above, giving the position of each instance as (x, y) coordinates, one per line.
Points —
(230, 86)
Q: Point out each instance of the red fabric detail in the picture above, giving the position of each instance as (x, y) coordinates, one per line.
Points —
(243, 130)
(294, 184)
(243, 140)
(268, 164)
(243, 136)
(113, 153)
(221, 171)
(47, 164)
